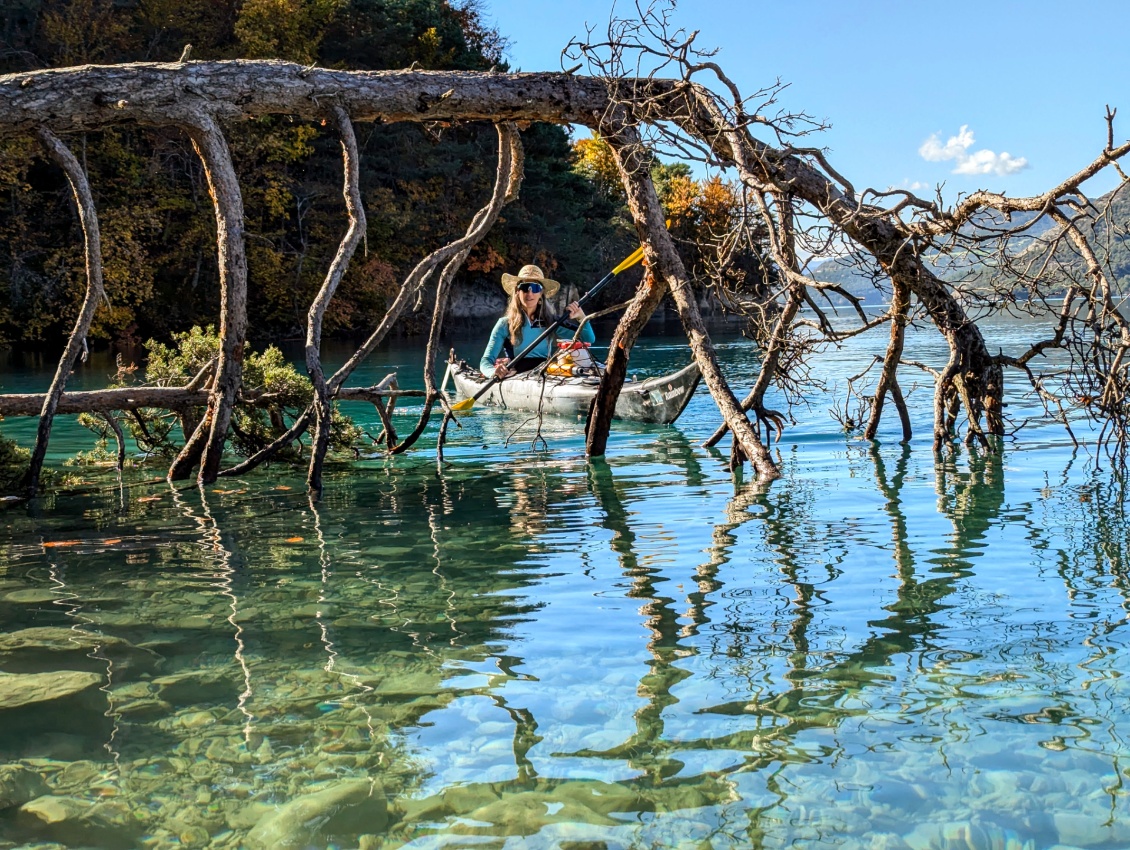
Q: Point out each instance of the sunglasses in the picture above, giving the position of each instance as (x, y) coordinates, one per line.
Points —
(530, 287)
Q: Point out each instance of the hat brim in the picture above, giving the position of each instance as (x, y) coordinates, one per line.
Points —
(549, 287)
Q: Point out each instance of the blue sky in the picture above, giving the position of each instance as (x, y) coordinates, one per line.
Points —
(1002, 95)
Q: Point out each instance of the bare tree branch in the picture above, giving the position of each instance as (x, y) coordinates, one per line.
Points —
(88, 217)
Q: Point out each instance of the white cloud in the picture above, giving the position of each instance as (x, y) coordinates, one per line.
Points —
(987, 162)
(957, 149)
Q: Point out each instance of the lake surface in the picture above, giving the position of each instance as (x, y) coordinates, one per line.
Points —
(533, 650)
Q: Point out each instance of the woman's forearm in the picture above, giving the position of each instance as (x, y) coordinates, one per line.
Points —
(494, 348)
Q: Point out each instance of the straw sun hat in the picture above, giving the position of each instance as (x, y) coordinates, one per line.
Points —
(530, 274)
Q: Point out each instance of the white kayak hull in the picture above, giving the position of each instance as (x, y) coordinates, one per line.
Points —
(658, 400)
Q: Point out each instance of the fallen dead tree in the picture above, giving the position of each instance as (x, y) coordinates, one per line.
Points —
(198, 97)
(808, 209)
(805, 206)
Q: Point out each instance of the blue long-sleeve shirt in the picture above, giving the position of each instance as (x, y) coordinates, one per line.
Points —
(502, 330)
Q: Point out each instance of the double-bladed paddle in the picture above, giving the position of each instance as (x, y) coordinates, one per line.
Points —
(637, 255)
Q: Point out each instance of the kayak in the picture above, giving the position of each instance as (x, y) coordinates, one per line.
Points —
(658, 400)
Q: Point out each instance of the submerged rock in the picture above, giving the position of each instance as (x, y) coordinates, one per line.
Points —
(19, 785)
(453, 800)
(30, 596)
(243, 815)
(888, 841)
(144, 709)
(526, 812)
(352, 806)
(73, 821)
(18, 690)
(49, 647)
(51, 749)
(192, 687)
(609, 798)
(1089, 830)
(77, 777)
(966, 835)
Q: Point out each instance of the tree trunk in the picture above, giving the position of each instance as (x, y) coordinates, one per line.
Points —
(888, 379)
(355, 207)
(207, 443)
(630, 159)
(764, 169)
(195, 96)
(663, 261)
(94, 97)
(507, 181)
(179, 93)
(88, 217)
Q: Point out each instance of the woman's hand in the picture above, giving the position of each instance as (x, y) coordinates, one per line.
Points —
(501, 369)
(574, 310)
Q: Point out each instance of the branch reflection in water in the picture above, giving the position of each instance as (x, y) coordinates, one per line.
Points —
(355, 690)
(219, 557)
(636, 651)
(86, 634)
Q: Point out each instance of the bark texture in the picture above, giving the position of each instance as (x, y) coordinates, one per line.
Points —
(355, 208)
(507, 181)
(206, 445)
(630, 159)
(92, 239)
(665, 263)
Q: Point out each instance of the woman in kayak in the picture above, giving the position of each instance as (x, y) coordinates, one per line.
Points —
(524, 318)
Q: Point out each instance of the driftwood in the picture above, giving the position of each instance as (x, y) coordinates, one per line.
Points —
(665, 265)
(891, 232)
(630, 159)
(206, 444)
(196, 96)
(508, 178)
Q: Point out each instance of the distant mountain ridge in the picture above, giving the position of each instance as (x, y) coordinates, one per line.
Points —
(1108, 232)
(861, 276)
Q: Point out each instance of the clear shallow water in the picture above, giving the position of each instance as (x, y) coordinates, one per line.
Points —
(537, 651)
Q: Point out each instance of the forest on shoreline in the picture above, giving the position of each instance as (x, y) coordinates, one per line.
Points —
(420, 183)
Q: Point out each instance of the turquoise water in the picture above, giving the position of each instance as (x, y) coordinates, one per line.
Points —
(533, 650)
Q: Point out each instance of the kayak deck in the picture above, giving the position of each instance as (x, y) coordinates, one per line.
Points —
(660, 400)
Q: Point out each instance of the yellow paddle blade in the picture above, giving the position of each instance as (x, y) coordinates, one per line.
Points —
(464, 405)
(635, 256)
(632, 259)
